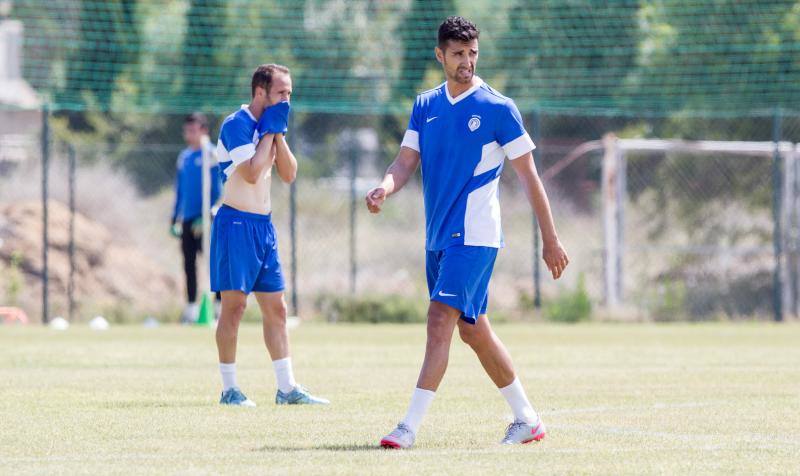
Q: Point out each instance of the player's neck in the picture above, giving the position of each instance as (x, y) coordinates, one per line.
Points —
(456, 89)
(255, 109)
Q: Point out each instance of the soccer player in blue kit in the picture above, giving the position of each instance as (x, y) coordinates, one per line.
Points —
(244, 247)
(461, 132)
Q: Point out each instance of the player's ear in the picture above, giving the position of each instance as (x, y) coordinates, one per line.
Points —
(439, 54)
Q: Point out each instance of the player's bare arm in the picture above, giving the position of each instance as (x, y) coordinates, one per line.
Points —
(251, 170)
(553, 252)
(397, 175)
(285, 161)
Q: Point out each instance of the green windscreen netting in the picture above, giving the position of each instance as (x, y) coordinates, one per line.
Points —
(372, 56)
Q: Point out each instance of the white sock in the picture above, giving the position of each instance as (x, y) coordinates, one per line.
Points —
(284, 374)
(228, 372)
(518, 401)
(421, 399)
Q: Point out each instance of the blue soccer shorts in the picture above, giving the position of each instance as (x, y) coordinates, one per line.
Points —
(459, 277)
(244, 253)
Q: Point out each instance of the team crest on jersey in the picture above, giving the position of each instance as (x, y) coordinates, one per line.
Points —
(474, 122)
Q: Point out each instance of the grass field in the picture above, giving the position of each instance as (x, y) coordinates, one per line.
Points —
(716, 398)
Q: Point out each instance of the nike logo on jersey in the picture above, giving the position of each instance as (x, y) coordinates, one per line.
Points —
(444, 294)
(431, 118)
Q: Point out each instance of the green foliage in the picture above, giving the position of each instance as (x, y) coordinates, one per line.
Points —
(572, 306)
(361, 56)
(593, 51)
(711, 43)
(143, 145)
(107, 36)
(14, 280)
(670, 303)
(372, 309)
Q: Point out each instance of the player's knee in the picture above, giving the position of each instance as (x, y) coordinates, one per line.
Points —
(277, 314)
(439, 329)
(469, 334)
(232, 312)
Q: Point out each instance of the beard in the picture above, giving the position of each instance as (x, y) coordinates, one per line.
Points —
(461, 75)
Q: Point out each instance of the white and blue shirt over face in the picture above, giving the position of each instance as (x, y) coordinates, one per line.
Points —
(463, 143)
(237, 141)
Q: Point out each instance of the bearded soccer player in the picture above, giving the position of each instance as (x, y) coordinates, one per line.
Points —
(244, 248)
(461, 132)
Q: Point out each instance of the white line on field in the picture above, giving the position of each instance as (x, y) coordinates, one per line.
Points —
(627, 408)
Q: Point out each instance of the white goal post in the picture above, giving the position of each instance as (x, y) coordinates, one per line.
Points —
(614, 197)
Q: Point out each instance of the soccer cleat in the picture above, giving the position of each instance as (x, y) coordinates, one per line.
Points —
(520, 432)
(299, 396)
(234, 396)
(400, 438)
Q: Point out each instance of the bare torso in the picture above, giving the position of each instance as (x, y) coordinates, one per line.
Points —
(250, 197)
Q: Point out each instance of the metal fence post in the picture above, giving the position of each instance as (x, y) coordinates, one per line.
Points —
(611, 216)
(45, 171)
(293, 220)
(793, 212)
(777, 183)
(622, 199)
(71, 247)
(353, 174)
(537, 160)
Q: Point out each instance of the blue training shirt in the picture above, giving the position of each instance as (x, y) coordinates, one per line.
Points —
(463, 142)
(189, 185)
(237, 141)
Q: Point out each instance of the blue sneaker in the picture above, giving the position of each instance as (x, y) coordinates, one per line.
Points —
(299, 396)
(234, 396)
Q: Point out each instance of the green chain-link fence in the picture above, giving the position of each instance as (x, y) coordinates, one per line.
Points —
(117, 77)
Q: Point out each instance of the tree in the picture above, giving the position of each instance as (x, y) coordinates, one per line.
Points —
(109, 42)
(206, 23)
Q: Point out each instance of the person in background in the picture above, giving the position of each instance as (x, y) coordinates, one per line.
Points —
(187, 214)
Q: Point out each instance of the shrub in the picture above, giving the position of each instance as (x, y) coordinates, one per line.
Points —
(372, 309)
(574, 306)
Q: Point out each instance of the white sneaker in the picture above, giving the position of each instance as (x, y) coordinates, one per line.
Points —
(400, 438)
(520, 432)
(190, 313)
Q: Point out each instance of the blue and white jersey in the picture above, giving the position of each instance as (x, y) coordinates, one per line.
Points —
(463, 142)
(189, 185)
(237, 141)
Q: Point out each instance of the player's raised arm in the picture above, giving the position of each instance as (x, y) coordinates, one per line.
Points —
(285, 161)
(273, 121)
(397, 175)
(251, 169)
(552, 252)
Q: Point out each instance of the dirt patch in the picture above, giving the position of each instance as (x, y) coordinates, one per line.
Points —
(108, 273)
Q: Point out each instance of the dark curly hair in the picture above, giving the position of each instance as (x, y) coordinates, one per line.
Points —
(263, 76)
(457, 28)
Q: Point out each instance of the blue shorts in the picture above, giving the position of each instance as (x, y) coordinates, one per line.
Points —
(459, 277)
(244, 253)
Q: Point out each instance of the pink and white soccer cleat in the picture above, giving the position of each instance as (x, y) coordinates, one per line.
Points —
(520, 432)
(400, 438)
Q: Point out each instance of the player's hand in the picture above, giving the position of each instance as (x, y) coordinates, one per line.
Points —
(197, 227)
(274, 119)
(555, 257)
(175, 230)
(375, 199)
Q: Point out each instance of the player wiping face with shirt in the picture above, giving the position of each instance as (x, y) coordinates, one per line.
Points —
(460, 134)
(244, 246)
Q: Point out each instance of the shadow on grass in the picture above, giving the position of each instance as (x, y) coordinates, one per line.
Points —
(122, 404)
(354, 447)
